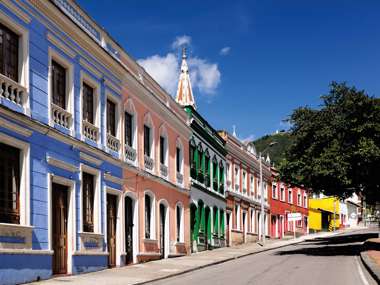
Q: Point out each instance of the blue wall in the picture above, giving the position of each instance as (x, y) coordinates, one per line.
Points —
(16, 268)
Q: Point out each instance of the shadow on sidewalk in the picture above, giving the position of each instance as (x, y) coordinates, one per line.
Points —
(346, 245)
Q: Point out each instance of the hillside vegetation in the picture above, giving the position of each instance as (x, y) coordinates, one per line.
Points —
(277, 151)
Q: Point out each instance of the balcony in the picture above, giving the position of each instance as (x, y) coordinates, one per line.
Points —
(207, 180)
(113, 143)
(90, 131)
(130, 154)
(179, 178)
(163, 170)
(61, 116)
(12, 91)
(148, 163)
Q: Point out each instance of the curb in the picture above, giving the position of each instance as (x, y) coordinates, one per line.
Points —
(371, 266)
(226, 260)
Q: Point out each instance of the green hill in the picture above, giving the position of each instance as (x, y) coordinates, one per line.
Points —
(276, 151)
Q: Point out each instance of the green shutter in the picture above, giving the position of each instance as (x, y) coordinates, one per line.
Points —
(222, 223)
(196, 159)
(209, 233)
(203, 219)
(196, 226)
(216, 222)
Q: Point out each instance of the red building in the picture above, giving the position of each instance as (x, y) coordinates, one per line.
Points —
(285, 199)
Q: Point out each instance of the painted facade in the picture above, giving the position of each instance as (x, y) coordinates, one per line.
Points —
(243, 192)
(73, 182)
(328, 208)
(287, 199)
(207, 173)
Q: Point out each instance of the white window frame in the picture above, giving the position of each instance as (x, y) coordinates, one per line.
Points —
(149, 123)
(163, 133)
(23, 54)
(24, 198)
(117, 101)
(69, 67)
(181, 158)
(182, 222)
(299, 198)
(237, 175)
(305, 200)
(93, 83)
(282, 191)
(275, 196)
(290, 197)
(237, 218)
(97, 205)
(245, 177)
(129, 107)
(152, 215)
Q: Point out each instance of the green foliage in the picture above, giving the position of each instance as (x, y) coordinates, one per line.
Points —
(276, 152)
(336, 148)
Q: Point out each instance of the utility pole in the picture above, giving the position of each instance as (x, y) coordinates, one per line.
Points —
(262, 202)
(334, 212)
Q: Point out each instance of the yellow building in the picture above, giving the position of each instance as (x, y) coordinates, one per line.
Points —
(321, 214)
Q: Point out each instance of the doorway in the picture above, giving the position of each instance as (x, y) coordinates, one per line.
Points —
(129, 229)
(59, 220)
(207, 227)
(244, 226)
(111, 229)
(228, 229)
(162, 230)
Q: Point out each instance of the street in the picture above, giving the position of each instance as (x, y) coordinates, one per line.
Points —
(324, 261)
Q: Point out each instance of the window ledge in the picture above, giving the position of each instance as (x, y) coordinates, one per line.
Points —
(148, 240)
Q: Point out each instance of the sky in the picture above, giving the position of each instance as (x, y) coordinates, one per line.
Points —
(251, 62)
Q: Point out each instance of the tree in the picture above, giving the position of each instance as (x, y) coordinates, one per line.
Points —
(336, 148)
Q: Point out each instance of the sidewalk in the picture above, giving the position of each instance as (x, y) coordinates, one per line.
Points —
(371, 258)
(165, 268)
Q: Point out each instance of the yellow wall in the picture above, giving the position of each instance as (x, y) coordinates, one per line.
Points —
(315, 219)
(326, 204)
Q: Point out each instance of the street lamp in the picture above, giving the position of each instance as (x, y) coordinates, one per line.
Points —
(262, 194)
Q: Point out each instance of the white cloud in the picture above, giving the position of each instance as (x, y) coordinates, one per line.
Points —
(248, 138)
(285, 124)
(181, 41)
(164, 69)
(204, 75)
(225, 51)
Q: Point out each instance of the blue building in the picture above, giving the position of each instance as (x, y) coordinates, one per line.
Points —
(61, 132)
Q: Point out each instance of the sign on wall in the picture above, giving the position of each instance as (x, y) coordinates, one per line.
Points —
(294, 217)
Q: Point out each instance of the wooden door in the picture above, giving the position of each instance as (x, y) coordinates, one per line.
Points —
(162, 230)
(129, 230)
(111, 229)
(59, 220)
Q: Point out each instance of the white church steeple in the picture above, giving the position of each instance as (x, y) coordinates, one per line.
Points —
(184, 91)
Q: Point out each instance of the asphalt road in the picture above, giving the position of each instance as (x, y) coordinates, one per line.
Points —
(323, 261)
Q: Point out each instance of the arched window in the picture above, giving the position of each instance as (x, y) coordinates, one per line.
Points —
(148, 136)
(200, 163)
(207, 168)
(221, 177)
(130, 131)
(149, 216)
(193, 159)
(179, 223)
(163, 146)
(215, 173)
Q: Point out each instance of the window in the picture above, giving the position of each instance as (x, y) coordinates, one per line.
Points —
(193, 159)
(147, 147)
(9, 184)
(305, 201)
(237, 178)
(274, 191)
(88, 201)
(237, 217)
(215, 173)
(178, 159)
(221, 177)
(252, 185)
(129, 129)
(282, 193)
(179, 223)
(148, 216)
(244, 182)
(290, 200)
(299, 199)
(88, 103)
(162, 150)
(111, 118)
(59, 85)
(9, 53)
(207, 169)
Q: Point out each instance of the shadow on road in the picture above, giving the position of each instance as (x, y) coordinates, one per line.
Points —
(348, 245)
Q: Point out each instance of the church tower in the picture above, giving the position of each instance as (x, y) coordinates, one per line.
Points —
(184, 91)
